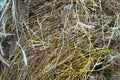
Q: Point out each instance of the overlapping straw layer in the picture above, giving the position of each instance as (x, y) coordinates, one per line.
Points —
(60, 40)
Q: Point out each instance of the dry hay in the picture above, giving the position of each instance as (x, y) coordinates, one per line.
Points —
(60, 39)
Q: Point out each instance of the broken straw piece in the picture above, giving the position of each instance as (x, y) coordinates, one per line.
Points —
(4, 34)
(85, 26)
(3, 60)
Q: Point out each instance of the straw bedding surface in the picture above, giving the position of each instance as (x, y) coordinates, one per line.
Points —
(60, 39)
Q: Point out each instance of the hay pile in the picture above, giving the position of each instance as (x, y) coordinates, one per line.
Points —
(60, 39)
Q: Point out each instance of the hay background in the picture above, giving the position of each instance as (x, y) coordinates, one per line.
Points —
(70, 39)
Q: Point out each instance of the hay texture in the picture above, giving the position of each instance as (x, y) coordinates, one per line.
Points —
(60, 40)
